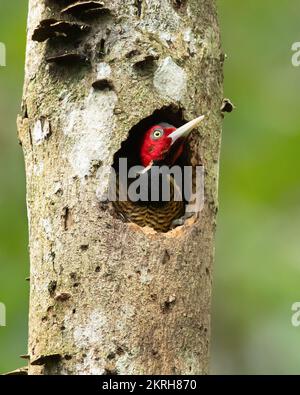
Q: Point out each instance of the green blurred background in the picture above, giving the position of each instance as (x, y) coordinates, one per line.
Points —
(257, 269)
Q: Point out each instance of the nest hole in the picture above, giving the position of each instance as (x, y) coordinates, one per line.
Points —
(130, 147)
(130, 150)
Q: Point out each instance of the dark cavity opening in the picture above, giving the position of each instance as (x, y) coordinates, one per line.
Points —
(130, 150)
(101, 48)
(69, 59)
(145, 66)
(180, 5)
(130, 147)
(139, 5)
(103, 84)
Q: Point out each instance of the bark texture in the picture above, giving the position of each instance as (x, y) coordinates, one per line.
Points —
(108, 296)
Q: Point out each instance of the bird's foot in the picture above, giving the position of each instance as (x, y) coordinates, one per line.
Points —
(180, 221)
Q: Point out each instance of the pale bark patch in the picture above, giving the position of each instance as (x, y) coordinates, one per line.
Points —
(160, 17)
(190, 39)
(209, 45)
(125, 365)
(33, 62)
(38, 169)
(170, 80)
(92, 332)
(91, 367)
(90, 125)
(103, 71)
(47, 227)
(145, 276)
(41, 131)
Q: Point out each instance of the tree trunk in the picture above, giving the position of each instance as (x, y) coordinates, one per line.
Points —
(108, 296)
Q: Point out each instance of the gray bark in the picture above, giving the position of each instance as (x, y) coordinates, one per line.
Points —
(108, 296)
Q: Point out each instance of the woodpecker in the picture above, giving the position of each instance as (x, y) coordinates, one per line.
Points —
(160, 145)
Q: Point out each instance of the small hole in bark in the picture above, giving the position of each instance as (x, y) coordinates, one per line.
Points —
(84, 247)
(70, 59)
(62, 297)
(166, 257)
(68, 357)
(73, 276)
(139, 5)
(67, 218)
(168, 304)
(132, 53)
(52, 287)
(24, 110)
(74, 311)
(146, 66)
(179, 5)
(101, 48)
(110, 372)
(120, 350)
(46, 360)
(103, 84)
(227, 106)
(98, 269)
(104, 14)
(49, 309)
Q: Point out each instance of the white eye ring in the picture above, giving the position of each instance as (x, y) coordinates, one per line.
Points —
(157, 133)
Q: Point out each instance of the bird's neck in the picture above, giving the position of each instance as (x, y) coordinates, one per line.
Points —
(169, 158)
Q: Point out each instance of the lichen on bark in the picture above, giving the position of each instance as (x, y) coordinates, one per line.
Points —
(107, 296)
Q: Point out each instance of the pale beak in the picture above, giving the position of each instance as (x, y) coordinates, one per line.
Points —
(186, 129)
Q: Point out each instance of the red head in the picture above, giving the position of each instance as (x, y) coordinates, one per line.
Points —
(156, 143)
(159, 139)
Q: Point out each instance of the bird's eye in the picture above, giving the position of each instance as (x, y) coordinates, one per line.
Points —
(157, 133)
